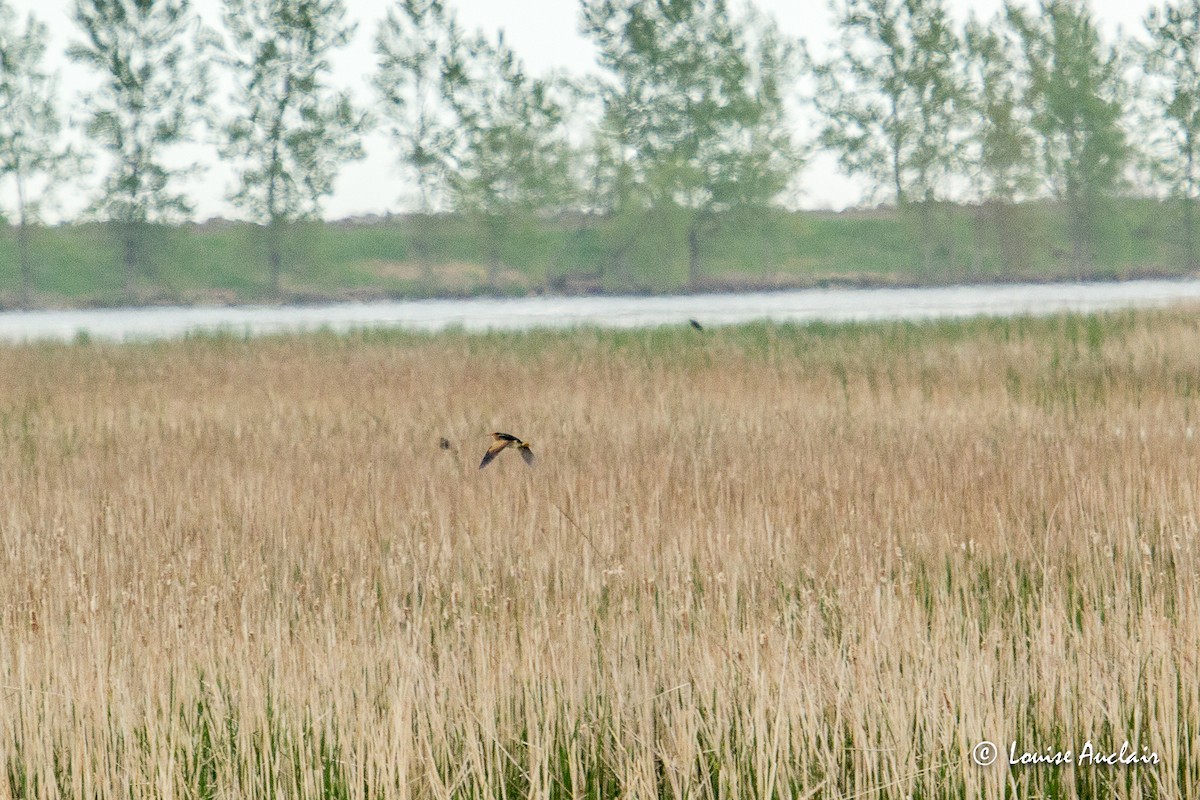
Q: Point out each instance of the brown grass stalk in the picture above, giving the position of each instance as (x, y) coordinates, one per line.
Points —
(762, 562)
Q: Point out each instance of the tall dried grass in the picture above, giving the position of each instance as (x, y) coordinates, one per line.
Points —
(756, 562)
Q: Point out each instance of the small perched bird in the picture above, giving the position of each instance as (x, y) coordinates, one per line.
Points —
(503, 440)
(695, 324)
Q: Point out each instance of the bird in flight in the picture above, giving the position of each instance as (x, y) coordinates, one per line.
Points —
(503, 440)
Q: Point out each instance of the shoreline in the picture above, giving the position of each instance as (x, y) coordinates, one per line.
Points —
(307, 298)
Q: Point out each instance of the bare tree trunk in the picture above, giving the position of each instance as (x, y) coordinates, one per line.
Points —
(275, 257)
(897, 172)
(493, 266)
(1080, 255)
(767, 255)
(620, 264)
(1189, 203)
(1189, 232)
(421, 246)
(1012, 252)
(950, 234)
(925, 226)
(1078, 214)
(979, 220)
(274, 213)
(23, 245)
(495, 226)
(693, 240)
(26, 266)
(129, 256)
(620, 254)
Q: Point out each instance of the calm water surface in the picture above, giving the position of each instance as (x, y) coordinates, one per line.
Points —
(830, 305)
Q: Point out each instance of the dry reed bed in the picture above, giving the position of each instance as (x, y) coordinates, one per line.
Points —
(757, 562)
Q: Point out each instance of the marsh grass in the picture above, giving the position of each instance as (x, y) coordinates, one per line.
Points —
(765, 561)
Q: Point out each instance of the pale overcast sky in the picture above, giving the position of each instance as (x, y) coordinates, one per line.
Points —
(543, 32)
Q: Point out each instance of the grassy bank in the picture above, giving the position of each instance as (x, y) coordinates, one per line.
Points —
(766, 561)
(418, 257)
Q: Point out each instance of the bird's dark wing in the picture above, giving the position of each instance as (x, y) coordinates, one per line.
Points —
(493, 451)
(527, 454)
(504, 437)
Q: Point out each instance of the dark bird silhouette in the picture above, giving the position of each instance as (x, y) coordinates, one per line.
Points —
(444, 443)
(695, 324)
(503, 440)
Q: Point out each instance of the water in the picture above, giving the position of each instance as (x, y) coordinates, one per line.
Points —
(830, 305)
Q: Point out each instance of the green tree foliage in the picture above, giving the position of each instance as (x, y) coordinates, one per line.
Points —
(31, 150)
(413, 43)
(510, 157)
(1076, 94)
(1001, 144)
(1172, 62)
(694, 116)
(892, 101)
(1000, 148)
(290, 131)
(149, 100)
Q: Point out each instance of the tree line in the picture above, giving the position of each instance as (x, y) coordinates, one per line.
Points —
(690, 111)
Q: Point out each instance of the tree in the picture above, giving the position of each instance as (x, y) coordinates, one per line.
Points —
(1000, 151)
(615, 182)
(413, 44)
(31, 152)
(694, 109)
(510, 155)
(1075, 94)
(290, 131)
(149, 101)
(892, 101)
(1172, 62)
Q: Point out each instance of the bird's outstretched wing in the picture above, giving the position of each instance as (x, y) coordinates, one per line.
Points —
(493, 451)
(527, 454)
(504, 437)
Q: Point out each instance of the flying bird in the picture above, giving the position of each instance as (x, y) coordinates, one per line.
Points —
(503, 440)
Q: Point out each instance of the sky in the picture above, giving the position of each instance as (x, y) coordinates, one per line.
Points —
(545, 35)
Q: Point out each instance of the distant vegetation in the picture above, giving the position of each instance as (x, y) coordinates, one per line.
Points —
(448, 255)
(1026, 145)
(769, 561)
